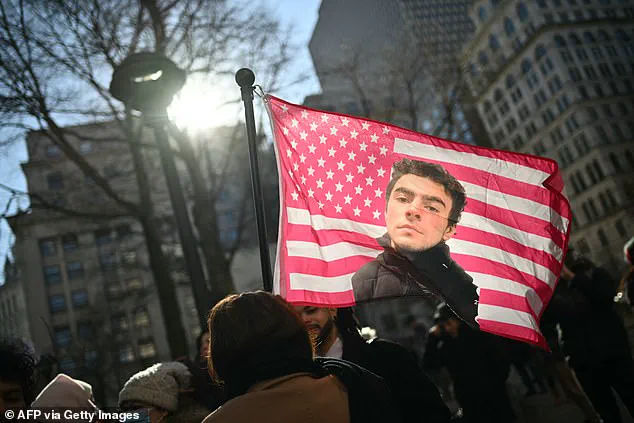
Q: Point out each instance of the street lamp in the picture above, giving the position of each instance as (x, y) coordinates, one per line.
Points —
(147, 82)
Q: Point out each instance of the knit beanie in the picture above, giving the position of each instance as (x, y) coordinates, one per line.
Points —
(157, 386)
(66, 392)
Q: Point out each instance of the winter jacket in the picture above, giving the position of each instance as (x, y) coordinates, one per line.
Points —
(591, 329)
(416, 397)
(431, 272)
(298, 397)
(479, 367)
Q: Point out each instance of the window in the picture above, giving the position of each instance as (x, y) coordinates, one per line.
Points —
(57, 303)
(540, 51)
(526, 65)
(586, 212)
(84, 331)
(589, 38)
(126, 354)
(603, 36)
(129, 258)
(114, 289)
(593, 207)
(69, 242)
(494, 44)
(574, 39)
(604, 203)
(590, 73)
(482, 58)
(611, 199)
(103, 236)
(582, 182)
(119, 323)
(518, 142)
(598, 169)
(622, 36)
(55, 181)
(74, 270)
(134, 284)
(53, 151)
(482, 14)
(591, 175)
(80, 298)
(605, 70)
(510, 81)
(108, 260)
(509, 26)
(630, 158)
(141, 318)
(602, 238)
(52, 274)
(560, 41)
(522, 12)
(598, 90)
(147, 348)
(48, 247)
(62, 336)
(85, 147)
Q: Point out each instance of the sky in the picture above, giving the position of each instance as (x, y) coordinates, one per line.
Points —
(301, 14)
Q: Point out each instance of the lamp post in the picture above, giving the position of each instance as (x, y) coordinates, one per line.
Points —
(147, 82)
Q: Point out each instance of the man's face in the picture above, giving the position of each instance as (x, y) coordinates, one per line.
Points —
(452, 326)
(204, 345)
(318, 320)
(11, 396)
(417, 214)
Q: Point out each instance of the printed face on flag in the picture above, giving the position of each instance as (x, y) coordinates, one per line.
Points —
(371, 211)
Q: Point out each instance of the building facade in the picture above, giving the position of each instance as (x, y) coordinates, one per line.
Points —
(556, 79)
(13, 304)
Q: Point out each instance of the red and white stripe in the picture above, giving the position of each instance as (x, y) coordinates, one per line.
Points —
(511, 238)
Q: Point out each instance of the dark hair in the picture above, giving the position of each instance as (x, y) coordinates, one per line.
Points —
(18, 365)
(254, 324)
(437, 174)
(348, 325)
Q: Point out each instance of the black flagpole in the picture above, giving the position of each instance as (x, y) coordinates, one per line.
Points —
(245, 79)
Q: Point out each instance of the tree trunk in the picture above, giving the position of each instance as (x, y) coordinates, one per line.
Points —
(158, 263)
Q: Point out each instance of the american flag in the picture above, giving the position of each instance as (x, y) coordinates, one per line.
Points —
(333, 173)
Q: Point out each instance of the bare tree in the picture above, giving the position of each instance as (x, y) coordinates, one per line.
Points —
(411, 82)
(56, 58)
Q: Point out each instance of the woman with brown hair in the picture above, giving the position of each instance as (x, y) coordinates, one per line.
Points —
(262, 353)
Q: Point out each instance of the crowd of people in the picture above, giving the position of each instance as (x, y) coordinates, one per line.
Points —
(263, 359)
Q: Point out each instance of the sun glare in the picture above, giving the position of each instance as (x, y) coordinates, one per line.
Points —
(200, 106)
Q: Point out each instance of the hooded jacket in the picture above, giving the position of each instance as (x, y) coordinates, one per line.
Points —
(427, 273)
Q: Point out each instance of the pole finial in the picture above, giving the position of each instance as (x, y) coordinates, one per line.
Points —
(245, 77)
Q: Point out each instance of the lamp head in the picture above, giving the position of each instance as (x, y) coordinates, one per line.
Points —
(147, 81)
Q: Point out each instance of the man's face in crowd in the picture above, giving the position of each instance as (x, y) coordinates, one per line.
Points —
(417, 214)
(204, 345)
(11, 396)
(319, 321)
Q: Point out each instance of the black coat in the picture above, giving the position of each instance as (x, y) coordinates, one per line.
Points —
(415, 395)
(430, 272)
(478, 365)
(591, 329)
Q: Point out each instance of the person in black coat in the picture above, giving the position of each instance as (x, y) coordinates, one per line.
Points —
(477, 364)
(593, 335)
(337, 335)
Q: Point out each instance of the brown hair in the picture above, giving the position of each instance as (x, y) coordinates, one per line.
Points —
(435, 173)
(253, 324)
